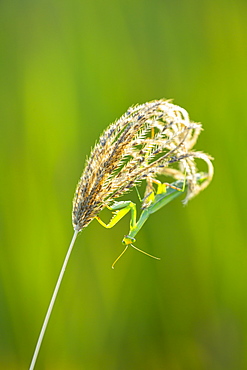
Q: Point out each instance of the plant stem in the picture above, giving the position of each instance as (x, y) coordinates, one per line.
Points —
(53, 299)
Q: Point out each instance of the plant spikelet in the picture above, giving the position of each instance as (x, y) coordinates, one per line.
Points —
(150, 139)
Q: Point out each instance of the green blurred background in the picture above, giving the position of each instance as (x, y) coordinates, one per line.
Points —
(67, 70)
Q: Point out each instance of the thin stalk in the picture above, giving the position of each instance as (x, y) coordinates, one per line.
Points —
(53, 299)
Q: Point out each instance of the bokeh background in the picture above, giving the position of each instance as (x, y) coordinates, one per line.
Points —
(68, 69)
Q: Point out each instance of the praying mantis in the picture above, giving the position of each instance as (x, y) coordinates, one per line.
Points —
(156, 200)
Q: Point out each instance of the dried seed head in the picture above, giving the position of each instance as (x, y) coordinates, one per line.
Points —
(145, 142)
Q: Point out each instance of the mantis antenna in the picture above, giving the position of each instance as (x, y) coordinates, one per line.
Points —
(139, 250)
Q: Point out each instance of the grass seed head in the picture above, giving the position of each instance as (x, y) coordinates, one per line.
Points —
(148, 140)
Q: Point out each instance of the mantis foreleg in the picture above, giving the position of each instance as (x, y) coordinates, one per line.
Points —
(121, 208)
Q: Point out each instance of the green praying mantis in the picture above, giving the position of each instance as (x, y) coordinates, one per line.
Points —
(164, 194)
